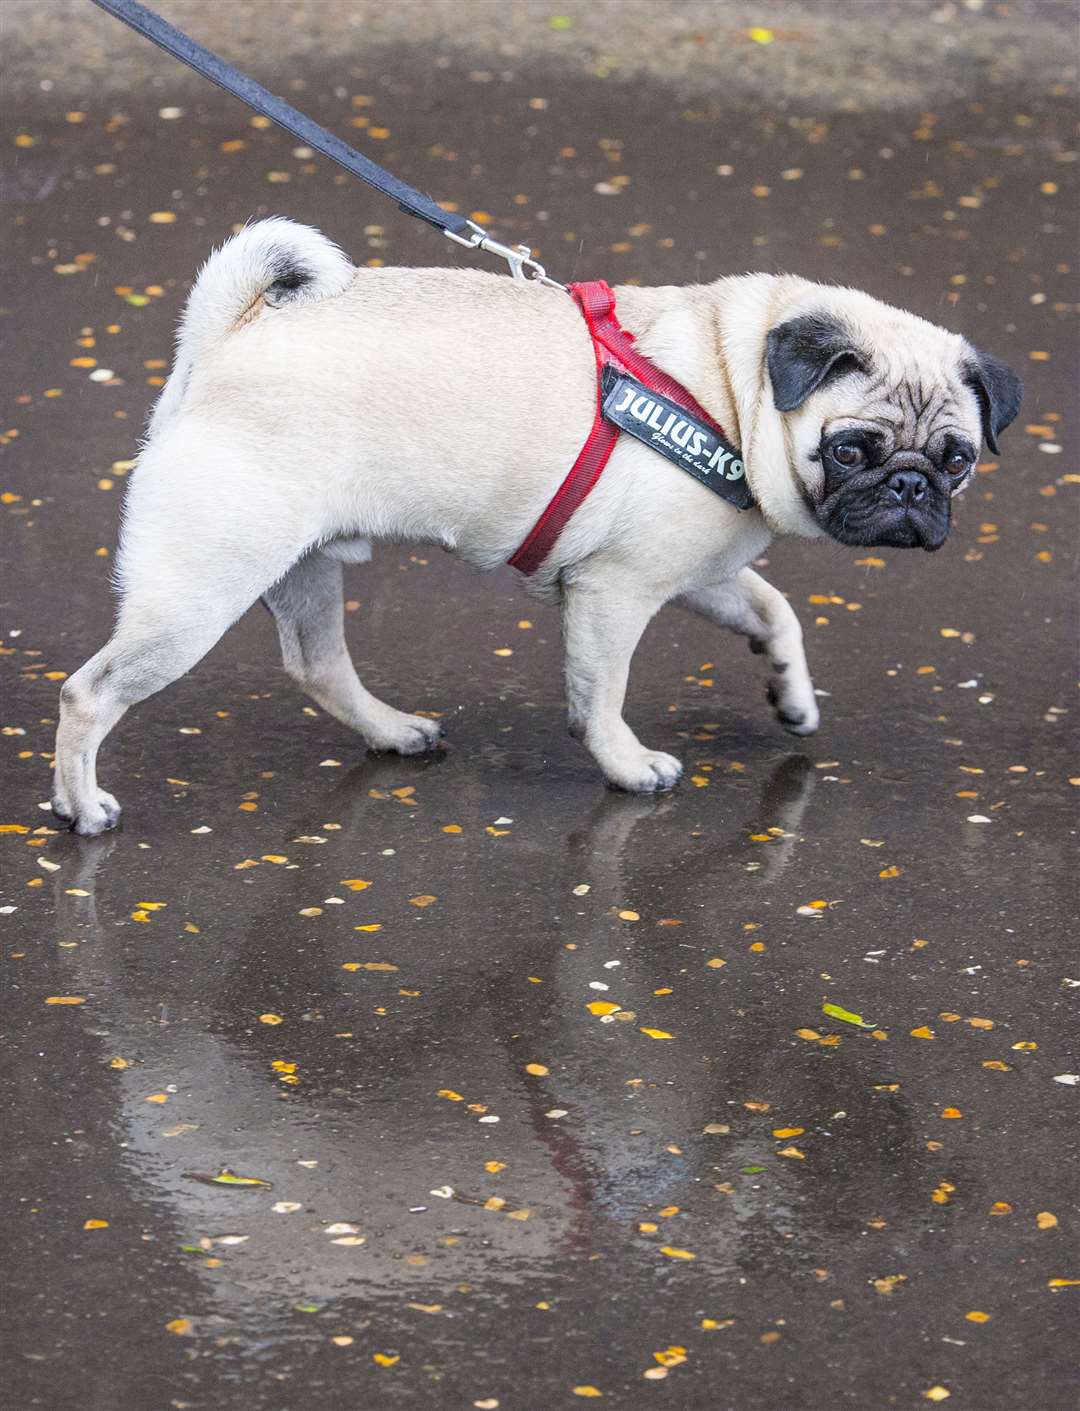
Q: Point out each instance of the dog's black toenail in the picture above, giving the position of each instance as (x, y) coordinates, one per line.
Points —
(757, 646)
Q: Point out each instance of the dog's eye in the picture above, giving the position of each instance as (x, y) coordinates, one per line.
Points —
(958, 464)
(848, 455)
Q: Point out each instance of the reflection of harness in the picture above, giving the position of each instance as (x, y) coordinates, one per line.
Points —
(633, 395)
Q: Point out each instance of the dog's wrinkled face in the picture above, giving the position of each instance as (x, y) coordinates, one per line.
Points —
(886, 421)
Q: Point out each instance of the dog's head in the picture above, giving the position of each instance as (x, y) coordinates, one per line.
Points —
(885, 414)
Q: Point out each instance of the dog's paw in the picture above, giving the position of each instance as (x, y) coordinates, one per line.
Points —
(796, 711)
(643, 771)
(404, 734)
(92, 818)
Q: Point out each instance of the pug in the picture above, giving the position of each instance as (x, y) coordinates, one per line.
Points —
(313, 407)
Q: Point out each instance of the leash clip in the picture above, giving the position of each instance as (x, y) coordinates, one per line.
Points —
(518, 257)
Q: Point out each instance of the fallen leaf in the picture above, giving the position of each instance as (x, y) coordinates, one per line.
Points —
(834, 1011)
(225, 1177)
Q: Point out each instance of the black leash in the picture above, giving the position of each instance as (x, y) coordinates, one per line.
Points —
(415, 203)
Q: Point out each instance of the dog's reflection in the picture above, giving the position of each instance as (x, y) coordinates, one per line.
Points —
(373, 1135)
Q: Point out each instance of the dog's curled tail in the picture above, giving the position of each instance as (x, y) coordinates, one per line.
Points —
(275, 260)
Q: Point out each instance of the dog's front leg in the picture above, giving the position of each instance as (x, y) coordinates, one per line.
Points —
(603, 619)
(755, 609)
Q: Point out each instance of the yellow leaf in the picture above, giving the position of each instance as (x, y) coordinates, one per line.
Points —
(180, 1326)
(587, 1391)
(494, 1166)
(922, 1033)
(65, 999)
(450, 1095)
(975, 1316)
(657, 1033)
(518, 1214)
(119, 1063)
(422, 900)
(792, 1151)
(370, 926)
(629, 916)
(452, 828)
(13, 828)
(601, 1006)
(386, 1359)
(891, 871)
(671, 1356)
(355, 884)
(1001, 1207)
(761, 36)
(676, 1253)
(377, 965)
(997, 1065)
(270, 1019)
(715, 963)
(1046, 1220)
(537, 1070)
(951, 1112)
(668, 1211)
(1062, 1283)
(158, 1097)
(788, 1131)
(937, 1393)
(95, 1224)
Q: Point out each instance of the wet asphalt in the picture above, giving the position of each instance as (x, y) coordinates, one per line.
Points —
(529, 1084)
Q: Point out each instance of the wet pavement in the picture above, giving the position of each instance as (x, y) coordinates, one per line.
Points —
(529, 1083)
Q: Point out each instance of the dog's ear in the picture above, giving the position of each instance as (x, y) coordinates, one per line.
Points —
(999, 391)
(805, 351)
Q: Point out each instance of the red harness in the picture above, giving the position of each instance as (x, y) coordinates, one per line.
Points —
(611, 344)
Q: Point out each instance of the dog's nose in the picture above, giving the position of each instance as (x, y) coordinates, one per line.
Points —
(908, 487)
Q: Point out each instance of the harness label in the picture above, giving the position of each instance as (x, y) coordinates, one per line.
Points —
(672, 431)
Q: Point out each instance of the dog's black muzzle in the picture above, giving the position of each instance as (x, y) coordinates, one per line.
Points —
(903, 503)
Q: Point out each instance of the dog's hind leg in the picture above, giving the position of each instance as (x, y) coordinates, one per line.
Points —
(755, 609)
(308, 609)
(191, 562)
